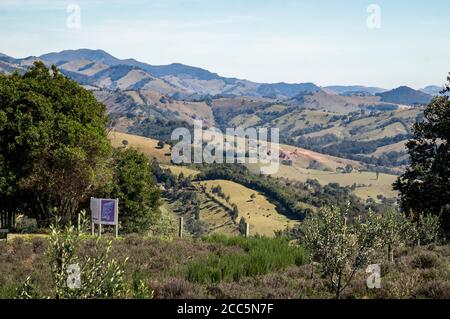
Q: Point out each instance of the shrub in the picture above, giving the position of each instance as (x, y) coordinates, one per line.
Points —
(175, 288)
(428, 228)
(425, 260)
(99, 276)
(436, 289)
(339, 247)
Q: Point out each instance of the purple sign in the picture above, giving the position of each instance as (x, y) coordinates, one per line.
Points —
(108, 211)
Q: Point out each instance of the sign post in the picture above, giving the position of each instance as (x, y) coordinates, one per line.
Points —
(104, 212)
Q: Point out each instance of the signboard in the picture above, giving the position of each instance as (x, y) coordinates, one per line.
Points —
(104, 211)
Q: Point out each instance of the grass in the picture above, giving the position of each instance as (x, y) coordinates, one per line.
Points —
(371, 189)
(147, 146)
(176, 170)
(262, 255)
(232, 267)
(257, 211)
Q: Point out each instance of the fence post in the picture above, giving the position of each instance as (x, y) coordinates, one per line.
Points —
(79, 223)
(247, 230)
(180, 228)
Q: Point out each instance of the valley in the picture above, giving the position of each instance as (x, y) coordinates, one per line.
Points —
(349, 137)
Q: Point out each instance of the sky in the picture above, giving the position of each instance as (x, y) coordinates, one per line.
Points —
(328, 42)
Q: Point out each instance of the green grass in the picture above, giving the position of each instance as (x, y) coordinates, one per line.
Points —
(260, 256)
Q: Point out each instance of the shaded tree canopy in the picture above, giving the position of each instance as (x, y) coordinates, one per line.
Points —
(134, 185)
(425, 186)
(53, 144)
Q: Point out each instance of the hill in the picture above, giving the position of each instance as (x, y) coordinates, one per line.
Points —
(99, 69)
(306, 165)
(353, 89)
(405, 95)
(364, 124)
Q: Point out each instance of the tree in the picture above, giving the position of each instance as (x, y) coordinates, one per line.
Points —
(425, 186)
(242, 226)
(234, 212)
(428, 228)
(348, 168)
(133, 184)
(53, 144)
(340, 247)
(397, 230)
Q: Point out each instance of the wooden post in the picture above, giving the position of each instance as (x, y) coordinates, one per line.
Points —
(180, 229)
(247, 230)
(117, 217)
(79, 223)
(100, 229)
(92, 228)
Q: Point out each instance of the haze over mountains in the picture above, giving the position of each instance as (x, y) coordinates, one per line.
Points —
(366, 124)
(99, 69)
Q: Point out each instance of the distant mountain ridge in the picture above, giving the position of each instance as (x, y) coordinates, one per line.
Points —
(405, 95)
(99, 69)
(351, 89)
(92, 67)
(433, 90)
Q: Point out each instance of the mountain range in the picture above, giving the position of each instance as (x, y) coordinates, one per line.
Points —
(98, 69)
(369, 125)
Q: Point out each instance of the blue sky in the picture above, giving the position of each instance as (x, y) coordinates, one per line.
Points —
(323, 41)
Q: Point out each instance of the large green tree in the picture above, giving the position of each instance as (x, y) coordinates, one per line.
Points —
(425, 186)
(134, 185)
(53, 144)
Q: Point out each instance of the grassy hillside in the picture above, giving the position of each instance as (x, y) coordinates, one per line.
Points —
(367, 184)
(253, 206)
(147, 146)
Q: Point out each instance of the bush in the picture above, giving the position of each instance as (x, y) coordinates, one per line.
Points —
(175, 288)
(428, 228)
(425, 260)
(98, 277)
(436, 289)
(341, 247)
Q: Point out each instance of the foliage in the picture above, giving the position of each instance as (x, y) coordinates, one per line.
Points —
(420, 272)
(396, 231)
(133, 184)
(62, 253)
(140, 288)
(428, 229)
(26, 291)
(425, 186)
(100, 276)
(53, 144)
(340, 247)
(242, 226)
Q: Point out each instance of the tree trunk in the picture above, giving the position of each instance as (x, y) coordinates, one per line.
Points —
(338, 287)
(391, 254)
